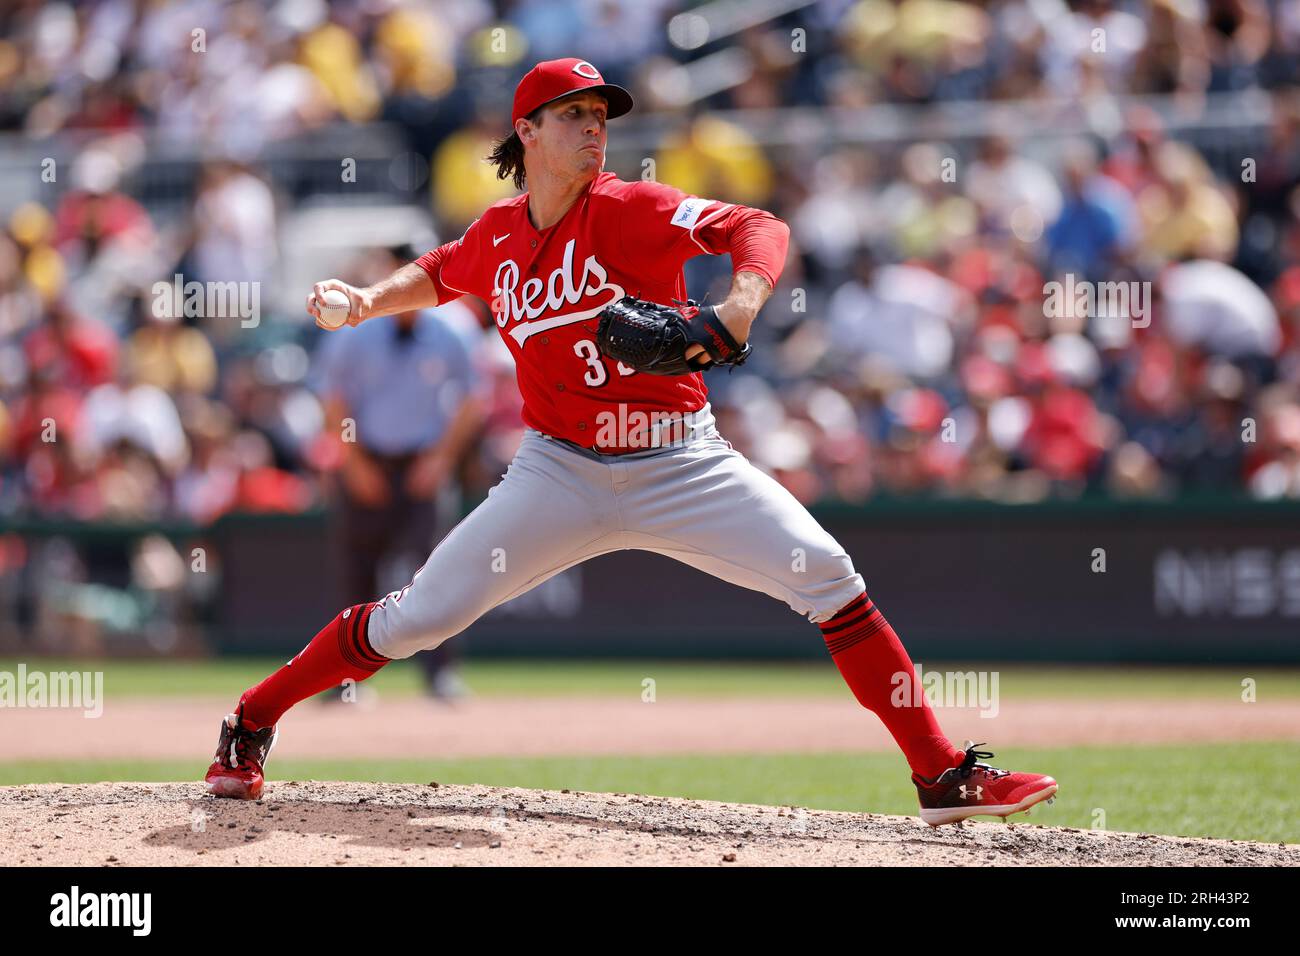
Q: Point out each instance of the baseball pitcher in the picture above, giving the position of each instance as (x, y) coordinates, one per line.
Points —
(584, 276)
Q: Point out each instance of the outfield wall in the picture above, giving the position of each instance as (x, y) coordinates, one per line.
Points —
(1208, 581)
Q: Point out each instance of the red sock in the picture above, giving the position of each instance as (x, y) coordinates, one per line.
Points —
(869, 654)
(341, 650)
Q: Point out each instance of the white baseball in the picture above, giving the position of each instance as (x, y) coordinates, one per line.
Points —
(335, 307)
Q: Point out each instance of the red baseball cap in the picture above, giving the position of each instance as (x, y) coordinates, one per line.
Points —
(552, 79)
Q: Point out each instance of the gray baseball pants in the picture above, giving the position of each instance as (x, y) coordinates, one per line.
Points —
(696, 500)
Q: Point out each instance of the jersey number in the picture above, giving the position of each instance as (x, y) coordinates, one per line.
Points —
(596, 376)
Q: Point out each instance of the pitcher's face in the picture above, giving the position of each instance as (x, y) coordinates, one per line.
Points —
(570, 141)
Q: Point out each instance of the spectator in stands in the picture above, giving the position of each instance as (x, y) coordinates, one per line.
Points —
(96, 214)
(333, 53)
(1097, 223)
(261, 486)
(1174, 58)
(464, 185)
(912, 45)
(142, 416)
(207, 487)
(1015, 194)
(266, 392)
(174, 357)
(20, 303)
(77, 352)
(1273, 464)
(713, 157)
(45, 423)
(920, 215)
(1184, 213)
(1266, 196)
(1091, 38)
(900, 313)
(234, 233)
(1065, 439)
(1237, 37)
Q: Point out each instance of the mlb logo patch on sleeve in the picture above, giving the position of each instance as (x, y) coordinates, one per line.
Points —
(688, 213)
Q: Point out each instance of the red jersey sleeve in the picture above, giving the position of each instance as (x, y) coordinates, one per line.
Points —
(454, 266)
(666, 226)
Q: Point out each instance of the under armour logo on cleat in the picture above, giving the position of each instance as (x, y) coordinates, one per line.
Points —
(976, 793)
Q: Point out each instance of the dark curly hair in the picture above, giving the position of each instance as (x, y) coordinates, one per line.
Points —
(508, 154)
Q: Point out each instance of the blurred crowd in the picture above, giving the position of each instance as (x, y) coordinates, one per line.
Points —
(915, 346)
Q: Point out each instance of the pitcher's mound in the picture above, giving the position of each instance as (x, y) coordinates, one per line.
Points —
(314, 823)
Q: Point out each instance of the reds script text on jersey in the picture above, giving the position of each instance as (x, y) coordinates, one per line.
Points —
(547, 288)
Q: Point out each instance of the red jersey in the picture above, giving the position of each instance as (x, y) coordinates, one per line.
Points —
(546, 289)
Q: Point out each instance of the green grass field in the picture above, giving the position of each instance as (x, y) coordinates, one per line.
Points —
(1238, 791)
(1242, 792)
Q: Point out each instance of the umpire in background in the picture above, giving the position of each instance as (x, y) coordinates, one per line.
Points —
(409, 383)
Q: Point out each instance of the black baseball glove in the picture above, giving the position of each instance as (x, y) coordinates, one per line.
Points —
(653, 338)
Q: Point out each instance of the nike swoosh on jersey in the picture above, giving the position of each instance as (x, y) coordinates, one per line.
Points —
(497, 240)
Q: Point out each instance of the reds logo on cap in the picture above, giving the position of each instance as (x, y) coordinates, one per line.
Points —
(550, 80)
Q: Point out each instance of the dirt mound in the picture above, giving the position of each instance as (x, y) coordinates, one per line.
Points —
(313, 823)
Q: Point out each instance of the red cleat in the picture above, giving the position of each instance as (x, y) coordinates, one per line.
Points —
(236, 769)
(976, 789)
